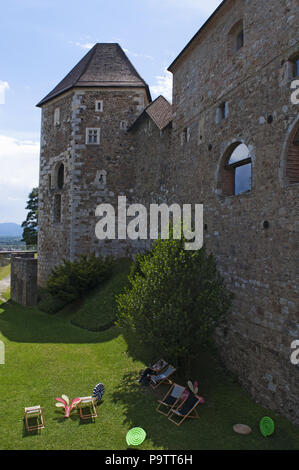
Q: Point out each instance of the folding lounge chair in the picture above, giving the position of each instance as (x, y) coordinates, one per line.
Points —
(87, 403)
(157, 380)
(170, 400)
(160, 365)
(185, 409)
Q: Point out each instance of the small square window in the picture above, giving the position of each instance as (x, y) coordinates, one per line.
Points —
(123, 125)
(99, 106)
(92, 136)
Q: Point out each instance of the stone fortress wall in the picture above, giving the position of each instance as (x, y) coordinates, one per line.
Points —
(223, 96)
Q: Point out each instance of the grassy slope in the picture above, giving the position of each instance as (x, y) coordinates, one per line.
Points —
(4, 271)
(98, 309)
(47, 356)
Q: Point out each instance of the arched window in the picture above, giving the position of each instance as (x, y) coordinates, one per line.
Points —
(60, 176)
(235, 170)
(236, 38)
(292, 160)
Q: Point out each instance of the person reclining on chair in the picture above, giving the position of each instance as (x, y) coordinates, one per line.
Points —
(147, 373)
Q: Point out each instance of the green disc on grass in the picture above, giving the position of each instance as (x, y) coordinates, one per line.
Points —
(267, 426)
(135, 436)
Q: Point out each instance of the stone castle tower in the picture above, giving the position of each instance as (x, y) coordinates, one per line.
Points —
(230, 141)
(85, 152)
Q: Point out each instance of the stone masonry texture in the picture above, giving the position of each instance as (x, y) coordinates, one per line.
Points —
(24, 280)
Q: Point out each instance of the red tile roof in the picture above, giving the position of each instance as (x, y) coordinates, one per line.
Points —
(160, 111)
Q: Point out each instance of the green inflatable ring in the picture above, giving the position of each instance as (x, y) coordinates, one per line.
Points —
(135, 436)
(267, 426)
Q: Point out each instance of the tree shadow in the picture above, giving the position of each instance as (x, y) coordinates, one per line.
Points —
(30, 325)
(140, 405)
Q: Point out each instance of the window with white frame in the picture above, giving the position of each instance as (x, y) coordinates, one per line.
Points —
(123, 125)
(99, 106)
(92, 135)
(56, 116)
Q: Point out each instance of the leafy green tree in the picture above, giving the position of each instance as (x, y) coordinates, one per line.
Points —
(30, 225)
(72, 279)
(174, 301)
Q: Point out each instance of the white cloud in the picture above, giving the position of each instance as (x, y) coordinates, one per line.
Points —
(138, 54)
(3, 87)
(19, 163)
(164, 86)
(83, 45)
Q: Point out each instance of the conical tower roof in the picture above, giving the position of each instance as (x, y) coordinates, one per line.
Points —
(105, 65)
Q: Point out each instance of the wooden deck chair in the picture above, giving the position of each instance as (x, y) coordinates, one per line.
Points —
(170, 400)
(160, 365)
(87, 403)
(157, 380)
(36, 413)
(185, 410)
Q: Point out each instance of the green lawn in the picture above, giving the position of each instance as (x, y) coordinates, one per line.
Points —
(98, 309)
(47, 355)
(4, 271)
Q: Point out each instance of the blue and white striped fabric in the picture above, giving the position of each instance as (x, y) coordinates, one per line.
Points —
(98, 391)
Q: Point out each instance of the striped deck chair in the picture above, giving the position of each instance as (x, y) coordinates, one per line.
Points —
(157, 380)
(171, 399)
(185, 410)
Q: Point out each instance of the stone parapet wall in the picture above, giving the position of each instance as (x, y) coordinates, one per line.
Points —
(24, 280)
(4, 260)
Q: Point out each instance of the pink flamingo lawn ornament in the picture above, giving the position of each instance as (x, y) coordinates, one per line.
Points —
(64, 402)
(194, 390)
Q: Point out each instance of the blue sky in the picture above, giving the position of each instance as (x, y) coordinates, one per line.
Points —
(41, 40)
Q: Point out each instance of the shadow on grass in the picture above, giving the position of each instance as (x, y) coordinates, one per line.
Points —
(140, 404)
(226, 404)
(33, 432)
(30, 325)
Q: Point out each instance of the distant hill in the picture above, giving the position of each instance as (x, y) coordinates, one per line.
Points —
(10, 230)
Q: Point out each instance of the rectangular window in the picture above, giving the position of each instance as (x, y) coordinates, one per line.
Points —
(57, 208)
(123, 125)
(240, 40)
(222, 112)
(243, 179)
(99, 106)
(185, 135)
(296, 67)
(57, 117)
(92, 136)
